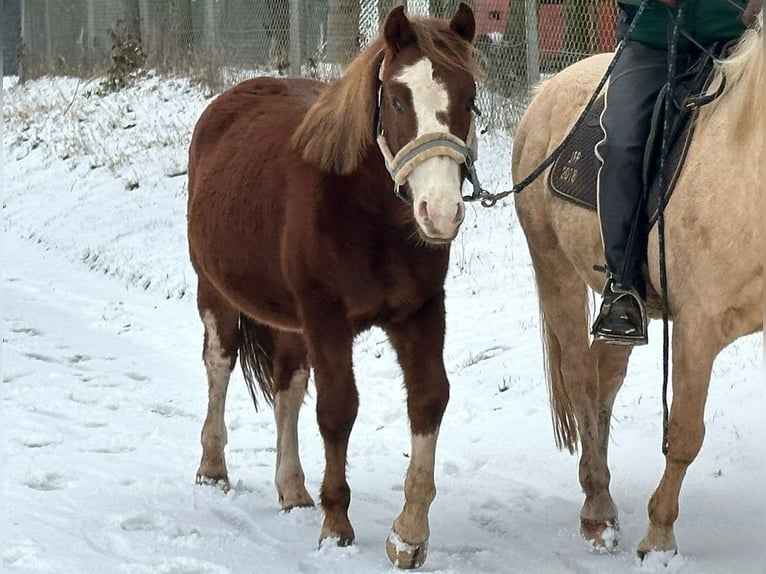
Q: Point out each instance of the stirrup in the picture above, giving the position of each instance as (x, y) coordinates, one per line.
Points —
(613, 294)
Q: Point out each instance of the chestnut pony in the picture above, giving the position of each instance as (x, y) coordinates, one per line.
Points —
(714, 235)
(299, 244)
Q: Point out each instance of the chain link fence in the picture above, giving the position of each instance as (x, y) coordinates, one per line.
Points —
(221, 42)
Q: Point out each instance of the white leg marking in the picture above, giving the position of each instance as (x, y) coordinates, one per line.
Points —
(218, 366)
(419, 490)
(289, 479)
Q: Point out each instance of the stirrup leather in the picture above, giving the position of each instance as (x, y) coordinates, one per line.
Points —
(601, 332)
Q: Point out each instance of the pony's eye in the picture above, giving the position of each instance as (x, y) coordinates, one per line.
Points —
(397, 105)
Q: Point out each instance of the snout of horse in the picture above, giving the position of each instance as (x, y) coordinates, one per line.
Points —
(440, 223)
(437, 201)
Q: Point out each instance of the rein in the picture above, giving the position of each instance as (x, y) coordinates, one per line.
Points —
(663, 184)
(490, 199)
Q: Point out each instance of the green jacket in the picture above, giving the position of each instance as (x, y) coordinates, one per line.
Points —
(707, 21)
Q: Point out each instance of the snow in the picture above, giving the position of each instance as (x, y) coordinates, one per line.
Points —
(104, 391)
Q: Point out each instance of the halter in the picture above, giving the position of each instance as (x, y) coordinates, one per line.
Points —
(432, 144)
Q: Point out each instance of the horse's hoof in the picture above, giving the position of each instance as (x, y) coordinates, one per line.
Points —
(659, 542)
(287, 508)
(604, 536)
(302, 500)
(340, 541)
(221, 482)
(405, 555)
(662, 556)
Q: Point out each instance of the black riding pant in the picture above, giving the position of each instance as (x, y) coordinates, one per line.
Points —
(634, 85)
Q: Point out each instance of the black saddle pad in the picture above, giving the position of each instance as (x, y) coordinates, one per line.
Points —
(574, 174)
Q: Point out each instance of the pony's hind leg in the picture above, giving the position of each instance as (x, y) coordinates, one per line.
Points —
(419, 344)
(219, 354)
(291, 375)
(330, 341)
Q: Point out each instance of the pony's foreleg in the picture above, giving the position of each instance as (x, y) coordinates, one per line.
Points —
(219, 354)
(291, 375)
(419, 343)
(695, 346)
(330, 341)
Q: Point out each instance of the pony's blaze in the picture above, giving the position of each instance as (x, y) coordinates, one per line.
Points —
(435, 184)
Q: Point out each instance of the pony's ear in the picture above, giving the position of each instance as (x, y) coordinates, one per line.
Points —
(463, 22)
(397, 30)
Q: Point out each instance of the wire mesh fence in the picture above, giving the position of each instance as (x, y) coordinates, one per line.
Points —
(223, 41)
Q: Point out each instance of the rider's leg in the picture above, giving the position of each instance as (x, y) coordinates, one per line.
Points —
(634, 85)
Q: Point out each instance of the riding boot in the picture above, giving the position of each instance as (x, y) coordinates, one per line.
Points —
(622, 317)
(633, 88)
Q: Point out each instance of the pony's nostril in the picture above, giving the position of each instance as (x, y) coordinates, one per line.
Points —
(460, 214)
(423, 209)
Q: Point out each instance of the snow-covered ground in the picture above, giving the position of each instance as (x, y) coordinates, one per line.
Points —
(104, 392)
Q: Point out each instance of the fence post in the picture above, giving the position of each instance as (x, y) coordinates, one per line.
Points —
(23, 44)
(295, 38)
(48, 47)
(533, 47)
(209, 25)
(89, 47)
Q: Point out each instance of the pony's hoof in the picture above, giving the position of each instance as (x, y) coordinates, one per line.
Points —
(288, 507)
(221, 482)
(340, 541)
(662, 557)
(405, 555)
(302, 500)
(604, 536)
(341, 534)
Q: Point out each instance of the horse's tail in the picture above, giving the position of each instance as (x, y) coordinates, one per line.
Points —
(256, 351)
(562, 412)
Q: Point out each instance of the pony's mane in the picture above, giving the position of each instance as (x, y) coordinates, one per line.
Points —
(340, 125)
(743, 69)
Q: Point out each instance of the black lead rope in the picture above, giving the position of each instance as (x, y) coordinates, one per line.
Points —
(662, 184)
(490, 199)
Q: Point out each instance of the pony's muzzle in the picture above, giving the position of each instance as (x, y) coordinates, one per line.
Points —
(439, 224)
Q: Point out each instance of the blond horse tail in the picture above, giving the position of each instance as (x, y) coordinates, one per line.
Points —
(562, 411)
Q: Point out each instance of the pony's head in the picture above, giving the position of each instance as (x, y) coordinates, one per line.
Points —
(425, 115)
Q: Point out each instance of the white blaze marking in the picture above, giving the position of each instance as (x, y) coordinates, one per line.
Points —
(436, 181)
(429, 96)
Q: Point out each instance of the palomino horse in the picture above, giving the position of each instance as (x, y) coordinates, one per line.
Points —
(714, 283)
(299, 244)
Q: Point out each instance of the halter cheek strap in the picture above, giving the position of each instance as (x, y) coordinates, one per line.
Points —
(427, 146)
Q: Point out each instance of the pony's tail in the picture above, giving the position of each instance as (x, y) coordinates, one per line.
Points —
(562, 413)
(256, 351)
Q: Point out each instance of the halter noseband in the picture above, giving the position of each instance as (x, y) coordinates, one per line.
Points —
(432, 144)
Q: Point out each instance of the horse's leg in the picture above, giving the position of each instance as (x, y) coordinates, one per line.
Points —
(576, 397)
(219, 353)
(419, 344)
(291, 375)
(612, 367)
(330, 339)
(696, 343)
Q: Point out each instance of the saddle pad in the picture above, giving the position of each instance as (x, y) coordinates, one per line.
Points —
(574, 174)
